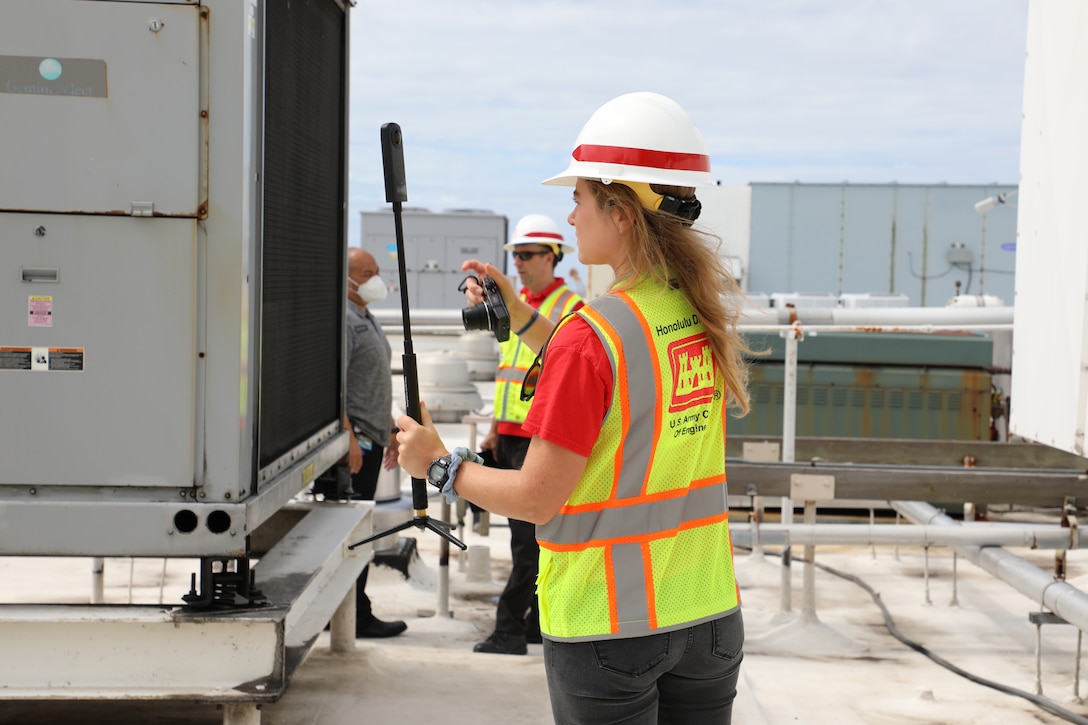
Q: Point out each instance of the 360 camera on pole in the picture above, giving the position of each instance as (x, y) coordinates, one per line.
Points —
(396, 192)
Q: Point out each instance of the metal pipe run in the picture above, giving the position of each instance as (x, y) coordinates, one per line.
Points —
(1068, 602)
(975, 534)
(959, 317)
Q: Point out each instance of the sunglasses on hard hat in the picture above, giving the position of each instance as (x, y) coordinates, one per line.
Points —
(526, 256)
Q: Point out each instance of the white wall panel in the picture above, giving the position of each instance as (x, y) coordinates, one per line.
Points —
(1050, 340)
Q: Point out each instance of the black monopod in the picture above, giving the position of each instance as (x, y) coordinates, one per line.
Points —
(396, 191)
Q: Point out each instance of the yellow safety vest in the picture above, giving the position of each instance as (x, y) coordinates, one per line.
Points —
(642, 545)
(517, 357)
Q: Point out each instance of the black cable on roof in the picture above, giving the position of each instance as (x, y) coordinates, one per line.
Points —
(1037, 700)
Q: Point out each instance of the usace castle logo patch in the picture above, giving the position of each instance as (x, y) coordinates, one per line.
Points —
(692, 372)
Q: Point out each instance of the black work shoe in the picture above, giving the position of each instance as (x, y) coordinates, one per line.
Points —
(375, 628)
(501, 643)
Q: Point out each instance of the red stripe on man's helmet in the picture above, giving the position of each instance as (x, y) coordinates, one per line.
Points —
(642, 157)
(549, 235)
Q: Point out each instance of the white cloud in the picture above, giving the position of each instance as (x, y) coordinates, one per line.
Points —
(490, 94)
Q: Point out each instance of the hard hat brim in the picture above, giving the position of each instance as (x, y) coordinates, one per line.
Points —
(609, 173)
(563, 246)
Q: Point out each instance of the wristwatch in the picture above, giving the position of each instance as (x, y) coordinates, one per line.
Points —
(438, 473)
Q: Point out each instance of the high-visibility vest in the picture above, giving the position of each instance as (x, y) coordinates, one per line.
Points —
(642, 545)
(517, 357)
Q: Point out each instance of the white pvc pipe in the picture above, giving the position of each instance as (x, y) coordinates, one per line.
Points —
(421, 317)
(808, 590)
(342, 624)
(982, 534)
(789, 442)
(879, 316)
(443, 320)
(789, 404)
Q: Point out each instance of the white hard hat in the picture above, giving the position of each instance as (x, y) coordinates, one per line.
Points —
(538, 229)
(639, 137)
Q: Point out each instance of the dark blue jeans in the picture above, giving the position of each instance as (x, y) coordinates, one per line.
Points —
(686, 677)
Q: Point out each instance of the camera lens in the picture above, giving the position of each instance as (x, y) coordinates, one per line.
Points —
(476, 318)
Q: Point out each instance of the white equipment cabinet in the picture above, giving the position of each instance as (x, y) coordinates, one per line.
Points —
(172, 271)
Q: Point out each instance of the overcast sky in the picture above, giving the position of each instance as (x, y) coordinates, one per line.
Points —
(490, 94)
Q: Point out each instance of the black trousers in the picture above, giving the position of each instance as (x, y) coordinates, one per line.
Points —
(517, 610)
(365, 485)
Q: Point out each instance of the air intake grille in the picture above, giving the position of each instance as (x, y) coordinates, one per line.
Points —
(303, 229)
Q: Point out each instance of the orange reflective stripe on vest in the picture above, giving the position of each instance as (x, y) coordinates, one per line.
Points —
(642, 544)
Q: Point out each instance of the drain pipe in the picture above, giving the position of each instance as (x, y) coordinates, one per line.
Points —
(1068, 602)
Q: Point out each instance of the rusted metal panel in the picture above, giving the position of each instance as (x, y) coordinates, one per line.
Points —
(872, 402)
(1026, 487)
(916, 452)
(875, 385)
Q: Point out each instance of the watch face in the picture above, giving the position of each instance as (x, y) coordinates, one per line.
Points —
(436, 473)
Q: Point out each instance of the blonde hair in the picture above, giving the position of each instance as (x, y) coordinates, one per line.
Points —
(666, 251)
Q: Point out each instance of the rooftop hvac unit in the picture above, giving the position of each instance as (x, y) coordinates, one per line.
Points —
(172, 236)
(435, 245)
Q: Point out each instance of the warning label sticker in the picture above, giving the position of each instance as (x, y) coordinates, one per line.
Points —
(14, 358)
(65, 358)
(40, 311)
(41, 358)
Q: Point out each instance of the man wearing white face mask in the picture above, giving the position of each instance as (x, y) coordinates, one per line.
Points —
(369, 410)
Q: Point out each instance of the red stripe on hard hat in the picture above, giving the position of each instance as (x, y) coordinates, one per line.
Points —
(549, 235)
(642, 157)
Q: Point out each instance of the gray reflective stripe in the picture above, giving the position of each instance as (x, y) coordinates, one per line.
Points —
(507, 404)
(639, 354)
(635, 520)
(513, 350)
(507, 372)
(632, 607)
(513, 375)
(509, 407)
(561, 303)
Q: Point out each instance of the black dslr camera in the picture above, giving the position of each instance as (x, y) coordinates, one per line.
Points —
(491, 314)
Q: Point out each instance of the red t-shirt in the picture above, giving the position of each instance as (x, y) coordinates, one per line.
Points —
(505, 427)
(574, 389)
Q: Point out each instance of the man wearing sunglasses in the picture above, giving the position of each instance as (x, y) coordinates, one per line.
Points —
(537, 245)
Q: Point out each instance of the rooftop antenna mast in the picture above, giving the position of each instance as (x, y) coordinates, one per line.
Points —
(396, 191)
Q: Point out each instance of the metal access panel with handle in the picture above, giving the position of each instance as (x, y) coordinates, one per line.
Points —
(101, 107)
(171, 274)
